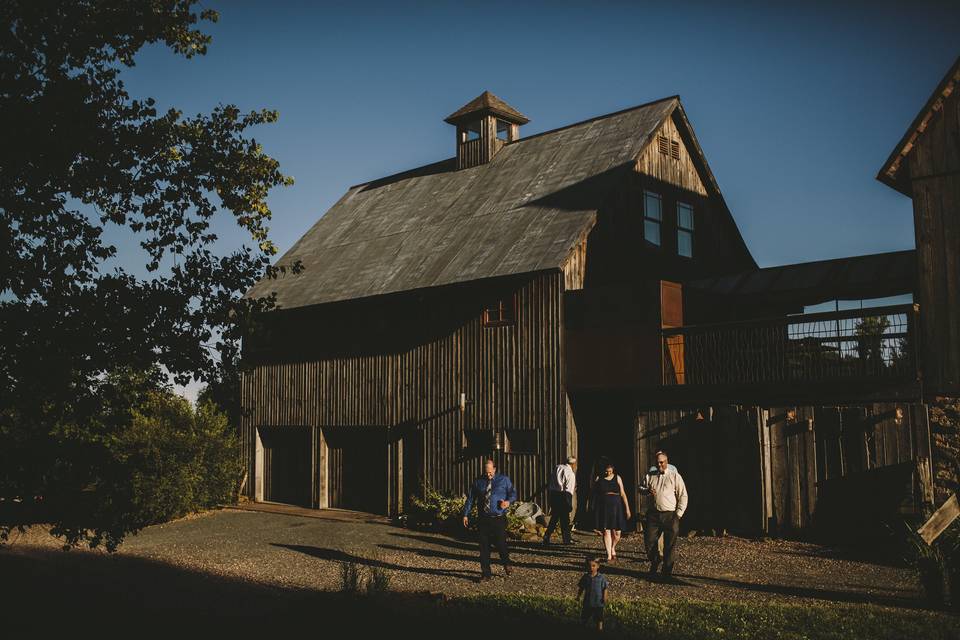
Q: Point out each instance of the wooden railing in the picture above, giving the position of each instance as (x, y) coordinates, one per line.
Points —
(859, 345)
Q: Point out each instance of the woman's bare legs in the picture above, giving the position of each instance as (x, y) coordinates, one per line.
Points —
(608, 543)
(615, 538)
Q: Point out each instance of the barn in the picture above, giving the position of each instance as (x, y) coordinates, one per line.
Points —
(583, 291)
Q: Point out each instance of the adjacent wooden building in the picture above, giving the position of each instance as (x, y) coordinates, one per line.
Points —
(583, 291)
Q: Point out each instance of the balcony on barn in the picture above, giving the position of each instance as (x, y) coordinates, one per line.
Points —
(865, 353)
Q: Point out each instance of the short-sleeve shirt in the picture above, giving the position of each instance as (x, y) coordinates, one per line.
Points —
(593, 587)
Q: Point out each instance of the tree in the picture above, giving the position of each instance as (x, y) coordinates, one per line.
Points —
(81, 155)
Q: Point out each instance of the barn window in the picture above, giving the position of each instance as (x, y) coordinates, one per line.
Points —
(684, 229)
(668, 147)
(477, 441)
(521, 441)
(470, 131)
(652, 217)
(503, 130)
(500, 313)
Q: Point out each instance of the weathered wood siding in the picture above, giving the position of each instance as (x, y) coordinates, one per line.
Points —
(934, 165)
(675, 169)
(799, 470)
(402, 367)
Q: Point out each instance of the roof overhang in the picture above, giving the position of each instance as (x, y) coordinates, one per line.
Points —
(892, 173)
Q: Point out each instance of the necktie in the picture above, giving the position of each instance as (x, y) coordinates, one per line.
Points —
(487, 494)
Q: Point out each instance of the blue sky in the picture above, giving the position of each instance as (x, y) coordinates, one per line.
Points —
(796, 107)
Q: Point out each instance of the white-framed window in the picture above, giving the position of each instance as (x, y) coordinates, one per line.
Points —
(652, 217)
(685, 229)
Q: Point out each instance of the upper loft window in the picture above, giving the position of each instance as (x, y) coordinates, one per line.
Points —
(684, 230)
(501, 313)
(503, 130)
(652, 217)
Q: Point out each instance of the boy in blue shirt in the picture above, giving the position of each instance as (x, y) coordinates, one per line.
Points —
(593, 589)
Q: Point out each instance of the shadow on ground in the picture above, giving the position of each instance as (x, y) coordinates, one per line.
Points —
(113, 594)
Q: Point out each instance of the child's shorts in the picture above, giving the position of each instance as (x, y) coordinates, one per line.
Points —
(591, 613)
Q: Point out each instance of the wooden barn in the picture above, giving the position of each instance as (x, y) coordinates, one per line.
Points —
(583, 291)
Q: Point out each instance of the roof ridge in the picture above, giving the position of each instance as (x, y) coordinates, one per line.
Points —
(393, 176)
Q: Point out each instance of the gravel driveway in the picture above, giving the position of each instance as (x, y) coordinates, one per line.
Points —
(299, 551)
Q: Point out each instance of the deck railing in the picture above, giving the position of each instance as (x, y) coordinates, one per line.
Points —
(862, 344)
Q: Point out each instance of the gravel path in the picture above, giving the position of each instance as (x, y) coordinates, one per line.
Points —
(301, 551)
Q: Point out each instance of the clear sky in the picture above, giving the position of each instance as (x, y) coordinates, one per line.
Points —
(796, 105)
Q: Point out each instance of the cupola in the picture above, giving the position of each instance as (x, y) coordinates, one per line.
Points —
(484, 125)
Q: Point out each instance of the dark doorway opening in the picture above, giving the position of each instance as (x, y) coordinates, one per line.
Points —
(358, 468)
(605, 433)
(286, 465)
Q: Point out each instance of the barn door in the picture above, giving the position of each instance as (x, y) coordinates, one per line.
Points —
(358, 466)
(287, 459)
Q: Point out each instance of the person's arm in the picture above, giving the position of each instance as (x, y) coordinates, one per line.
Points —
(603, 598)
(681, 491)
(468, 505)
(511, 494)
(623, 496)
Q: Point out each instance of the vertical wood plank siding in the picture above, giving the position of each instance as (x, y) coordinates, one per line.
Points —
(828, 466)
(934, 165)
(511, 376)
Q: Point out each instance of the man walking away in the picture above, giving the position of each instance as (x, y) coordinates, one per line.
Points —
(669, 500)
(563, 486)
(493, 492)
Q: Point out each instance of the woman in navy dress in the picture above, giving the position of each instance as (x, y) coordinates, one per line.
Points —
(611, 509)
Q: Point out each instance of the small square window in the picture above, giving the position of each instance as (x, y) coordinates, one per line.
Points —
(652, 217)
(501, 312)
(521, 441)
(477, 441)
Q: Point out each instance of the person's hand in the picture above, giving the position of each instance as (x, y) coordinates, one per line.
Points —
(466, 522)
(653, 491)
(628, 514)
(504, 504)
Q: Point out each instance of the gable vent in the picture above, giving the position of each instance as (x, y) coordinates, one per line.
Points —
(674, 149)
(663, 144)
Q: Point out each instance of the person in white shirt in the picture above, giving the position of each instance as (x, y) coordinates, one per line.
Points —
(668, 498)
(563, 486)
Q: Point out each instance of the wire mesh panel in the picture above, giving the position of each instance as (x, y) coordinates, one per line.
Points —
(863, 343)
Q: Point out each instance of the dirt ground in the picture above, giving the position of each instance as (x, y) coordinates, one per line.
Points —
(300, 551)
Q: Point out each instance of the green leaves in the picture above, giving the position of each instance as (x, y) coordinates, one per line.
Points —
(83, 156)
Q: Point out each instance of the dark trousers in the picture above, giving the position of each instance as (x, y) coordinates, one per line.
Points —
(561, 504)
(492, 529)
(668, 524)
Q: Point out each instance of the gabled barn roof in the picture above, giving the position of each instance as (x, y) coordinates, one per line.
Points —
(522, 212)
(893, 173)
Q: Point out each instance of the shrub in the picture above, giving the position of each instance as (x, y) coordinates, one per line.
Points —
(435, 510)
(179, 459)
(378, 580)
(351, 578)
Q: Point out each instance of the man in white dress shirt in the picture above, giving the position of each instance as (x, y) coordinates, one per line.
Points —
(563, 485)
(668, 497)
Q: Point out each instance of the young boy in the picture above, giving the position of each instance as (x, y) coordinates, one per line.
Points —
(593, 589)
